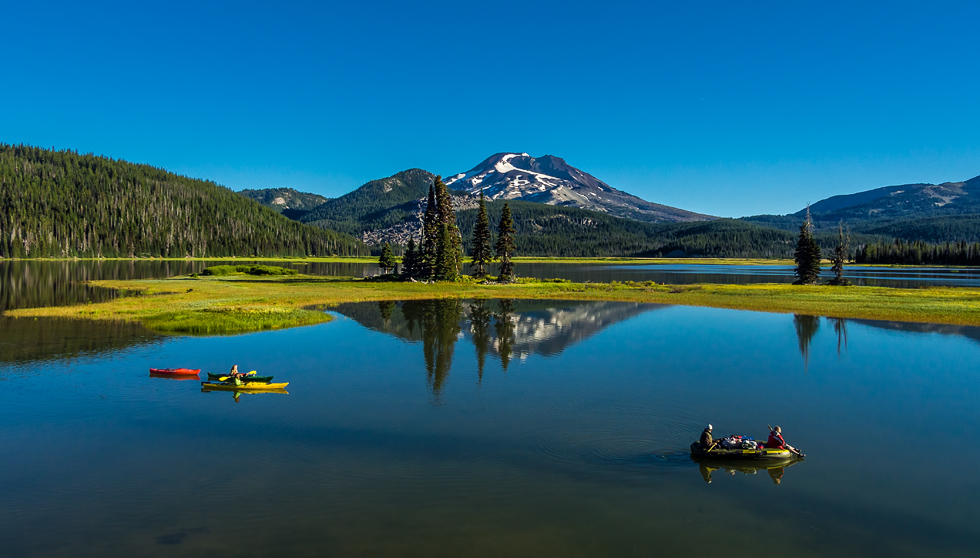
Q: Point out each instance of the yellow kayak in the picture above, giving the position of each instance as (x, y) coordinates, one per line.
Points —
(250, 386)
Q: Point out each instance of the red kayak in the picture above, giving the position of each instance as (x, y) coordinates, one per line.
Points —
(176, 371)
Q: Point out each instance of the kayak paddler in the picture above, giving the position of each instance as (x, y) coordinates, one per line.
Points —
(235, 375)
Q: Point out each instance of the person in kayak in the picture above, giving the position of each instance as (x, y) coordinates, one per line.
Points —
(236, 376)
(706, 441)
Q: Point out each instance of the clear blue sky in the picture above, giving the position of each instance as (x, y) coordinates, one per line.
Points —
(727, 108)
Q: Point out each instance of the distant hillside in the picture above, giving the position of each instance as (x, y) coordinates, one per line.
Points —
(292, 203)
(907, 200)
(376, 205)
(60, 203)
(928, 212)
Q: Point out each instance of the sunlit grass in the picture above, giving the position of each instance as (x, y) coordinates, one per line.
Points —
(234, 304)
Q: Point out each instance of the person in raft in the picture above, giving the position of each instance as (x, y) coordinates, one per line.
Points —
(776, 441)
(706, 440)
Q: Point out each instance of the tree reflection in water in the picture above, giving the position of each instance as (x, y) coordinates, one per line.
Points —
(480, 328)
(840, 328)
(504, 327)
(806, 328)
(438, 321)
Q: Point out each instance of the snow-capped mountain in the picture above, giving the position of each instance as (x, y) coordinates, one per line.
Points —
(550, 180)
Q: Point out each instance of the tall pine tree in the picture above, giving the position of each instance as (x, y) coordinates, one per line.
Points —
(410, 261)
(505, 244)
(450, 251)
(430, 237)
(840, 254)
(807, 254)
(445, 267)
(482, 249)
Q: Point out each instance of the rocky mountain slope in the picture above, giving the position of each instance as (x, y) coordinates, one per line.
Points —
(933, 212)
(290, 202)
(550, 180)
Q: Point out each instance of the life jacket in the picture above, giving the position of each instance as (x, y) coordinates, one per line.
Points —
(775, 440)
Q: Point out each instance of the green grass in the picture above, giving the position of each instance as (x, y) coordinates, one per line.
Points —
(226, 321)
(242, 303)
(248, 270)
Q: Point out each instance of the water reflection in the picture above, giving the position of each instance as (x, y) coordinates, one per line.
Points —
(29, 340)
(806, 328)
(502, 328)
(480, 315)
(840, 328)
(236, 395)
(775, 470)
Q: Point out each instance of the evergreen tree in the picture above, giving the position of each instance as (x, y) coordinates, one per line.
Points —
(807, 254)
(505, 244)
(840, 254)
(410, 261)
(482, 250)
(387, 260)
(445, 266)
(445, 215)
(430, 236)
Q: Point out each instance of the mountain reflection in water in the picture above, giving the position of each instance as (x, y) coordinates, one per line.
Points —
(503, 328)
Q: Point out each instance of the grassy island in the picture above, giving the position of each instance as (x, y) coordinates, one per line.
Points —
(239, 303)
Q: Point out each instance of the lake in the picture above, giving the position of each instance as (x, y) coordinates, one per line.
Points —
(492, 428)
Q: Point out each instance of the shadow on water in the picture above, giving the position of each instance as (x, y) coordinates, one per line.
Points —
(29, 340)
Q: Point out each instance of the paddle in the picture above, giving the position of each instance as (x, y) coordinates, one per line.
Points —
(712, 447)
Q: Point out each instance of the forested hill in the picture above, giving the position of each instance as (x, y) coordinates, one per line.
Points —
(375, 205)
(61, 203)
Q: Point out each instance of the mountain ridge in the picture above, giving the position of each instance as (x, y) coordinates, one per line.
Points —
(552, 181)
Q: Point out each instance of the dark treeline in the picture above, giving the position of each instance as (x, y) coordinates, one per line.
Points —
(919, 253)
(936, 229)
(547, 230)
(947, 228)
(63, 204)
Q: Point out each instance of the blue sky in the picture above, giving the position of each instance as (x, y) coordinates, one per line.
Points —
(726, 108)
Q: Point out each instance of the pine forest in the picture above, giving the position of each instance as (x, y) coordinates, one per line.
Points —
(65, 204)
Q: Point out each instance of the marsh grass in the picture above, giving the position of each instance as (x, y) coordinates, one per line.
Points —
(226, 321)
(242, 303)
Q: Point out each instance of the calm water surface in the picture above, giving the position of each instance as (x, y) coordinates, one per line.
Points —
(517, 428)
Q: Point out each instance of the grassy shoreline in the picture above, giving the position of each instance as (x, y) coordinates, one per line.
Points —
(238, 303)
